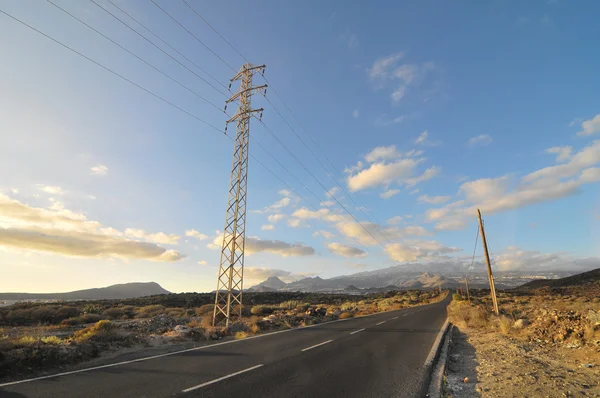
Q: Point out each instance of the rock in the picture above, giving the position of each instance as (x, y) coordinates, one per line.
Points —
(521, 323)
(593, 317)
(466, 380)
(181, 329)
(587, 365)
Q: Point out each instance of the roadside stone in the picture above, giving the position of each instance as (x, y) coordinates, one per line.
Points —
(521, 323)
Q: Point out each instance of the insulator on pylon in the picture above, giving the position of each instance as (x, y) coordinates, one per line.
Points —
(225, 110)
(260, 117)
(229, 86)
(265, 93)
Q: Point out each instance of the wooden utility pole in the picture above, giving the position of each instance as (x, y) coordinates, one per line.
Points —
(468, 294)
(489, 266)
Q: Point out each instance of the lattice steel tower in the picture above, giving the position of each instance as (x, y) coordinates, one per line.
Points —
(230, 280)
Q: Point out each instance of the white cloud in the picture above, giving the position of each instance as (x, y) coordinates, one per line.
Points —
(422, 137)
(160, 237)
(563, 153)
(389, 193)
(479, 140)
(383, 174)
(493, 195)
(267, 227)
(355, 114)
(590, 126)
(414, 191)
(359, 166)
(256, 245)
(15, 190)
(294, 222)
(192, 233)
(400, 76)
(202, 262)
(331, 193)
(383, 120)
(325, 234)
(345, 251)
(273, 218)
(61, 231)
(434, 200)
(428, 174)
(99, 170)
(382, 153)
(396, 220)
(327, 203)
(52, 190)
(414, 250)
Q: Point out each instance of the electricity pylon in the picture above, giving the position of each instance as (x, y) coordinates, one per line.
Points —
(230, 280)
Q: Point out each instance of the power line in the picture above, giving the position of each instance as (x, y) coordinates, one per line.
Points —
(166, 43)
(316, 179)
(166, 53)
(193, 35)
(135, 55)
(220, 35)
(377, 223)
(109, 70)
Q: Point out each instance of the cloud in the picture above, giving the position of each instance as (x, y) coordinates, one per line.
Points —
(355, 114)
(192, 233)
(267, 227)
(563, 153)
(345, 251)
(255, 245)
(384, 121)
(325, 234)
(414, 191)
(382, 153)
(428, 174)
(494, 195)
(434, 200)
(202, 262)
(383, 174)
(422, 137)
(273, 218)
(399, 76)
(479, 140)
(331, 193)
(159, 237)
(590, 126)
(395, 220)
(99, 170)
(389, 193)
(359, 166)
(52, 190)
(62, 231)
(414, 250)
(327, 203)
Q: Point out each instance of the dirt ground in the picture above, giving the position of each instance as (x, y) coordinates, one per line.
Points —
(556, 353)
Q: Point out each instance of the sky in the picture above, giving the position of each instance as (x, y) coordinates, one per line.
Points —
(398, 121)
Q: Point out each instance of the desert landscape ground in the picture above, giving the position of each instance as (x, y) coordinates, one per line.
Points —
(545, 343)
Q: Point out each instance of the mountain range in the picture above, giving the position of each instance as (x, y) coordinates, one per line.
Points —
(120, 291)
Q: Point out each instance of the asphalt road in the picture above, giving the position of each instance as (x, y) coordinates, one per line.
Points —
(381, 355)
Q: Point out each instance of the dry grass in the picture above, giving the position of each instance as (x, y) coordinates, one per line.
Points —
(504, 325)
(240, 335)
(100, 331)
(464, 315)
(346, 315)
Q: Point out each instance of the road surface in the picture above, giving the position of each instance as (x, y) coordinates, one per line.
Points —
(380, 355)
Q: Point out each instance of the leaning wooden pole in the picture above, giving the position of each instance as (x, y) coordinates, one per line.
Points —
(489, 266)
(468, 294)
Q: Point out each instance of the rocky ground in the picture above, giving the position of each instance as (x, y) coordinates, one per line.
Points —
(542, 345)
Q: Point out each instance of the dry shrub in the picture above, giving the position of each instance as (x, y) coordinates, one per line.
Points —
(261, 310)
(240, 335)
(101, 331)
(346, 315)
(206, 309)
(504, 324)
(254, 328)
(52, 340)
(175, 312)
(464, 315)
(150, 311)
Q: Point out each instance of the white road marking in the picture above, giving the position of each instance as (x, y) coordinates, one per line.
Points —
(395, 317)
(356, 331)
(380, 323)
(221, 378)
(110, 365)
(405, 314)
(316, 345)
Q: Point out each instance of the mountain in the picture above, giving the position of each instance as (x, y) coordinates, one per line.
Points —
(272, 284)
(582, 279)
(121, 291)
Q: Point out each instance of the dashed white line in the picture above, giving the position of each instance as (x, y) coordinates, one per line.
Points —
(380, 323)
(316, 345)
(395, 317)
(221, 378)
(356, 331)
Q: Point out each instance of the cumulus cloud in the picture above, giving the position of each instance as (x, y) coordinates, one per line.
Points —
(255, 245)
(382, 174)
(590, 126)
(493, 195)
(52, 190)
(413, 250)
(389, 193)
(479, 140)
(434, 200)
(273, 218)
(99, 170)
(382, 153)
(395, 220)
(202, 262)
(159, 237)
(279, 204)
(192, 233)
(345, 251)
(422, 137)
(267, 227)
(61, 231)
(563, 153)
(323, 233)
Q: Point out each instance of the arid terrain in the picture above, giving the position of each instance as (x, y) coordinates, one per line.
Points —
(41, 337)
(545, 343)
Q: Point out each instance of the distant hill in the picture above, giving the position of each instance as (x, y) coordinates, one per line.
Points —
(574, 280)
(272, 284)
(120, 291)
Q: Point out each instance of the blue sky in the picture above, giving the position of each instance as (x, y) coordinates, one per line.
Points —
(428, 110)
